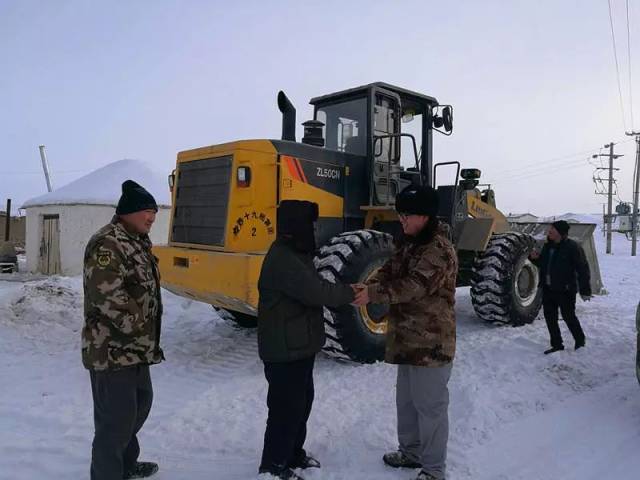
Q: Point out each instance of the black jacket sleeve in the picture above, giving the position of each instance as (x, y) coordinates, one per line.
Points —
(582, 269)
(303, 283)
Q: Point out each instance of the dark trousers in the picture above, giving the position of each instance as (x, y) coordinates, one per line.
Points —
(566, 303)
(121, 403)
(289, 400)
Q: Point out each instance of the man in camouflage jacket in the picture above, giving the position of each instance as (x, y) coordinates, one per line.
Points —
(121, 334)
(419, 283)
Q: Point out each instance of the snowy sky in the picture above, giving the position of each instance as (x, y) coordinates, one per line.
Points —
(532, 83)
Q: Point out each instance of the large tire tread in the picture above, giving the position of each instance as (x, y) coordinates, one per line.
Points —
(336, 262)
(492, 282)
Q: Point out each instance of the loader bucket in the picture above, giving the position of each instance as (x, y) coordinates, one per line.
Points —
(581, 233)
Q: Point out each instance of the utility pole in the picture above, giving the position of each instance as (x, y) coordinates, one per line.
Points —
(7, 226)
(609, 217)
(636, 184)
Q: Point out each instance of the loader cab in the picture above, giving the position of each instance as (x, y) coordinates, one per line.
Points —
(389, 127)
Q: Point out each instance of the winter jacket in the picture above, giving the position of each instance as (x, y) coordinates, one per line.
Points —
(122, 304)
(568, 268)
(419, 283)
(292, 294)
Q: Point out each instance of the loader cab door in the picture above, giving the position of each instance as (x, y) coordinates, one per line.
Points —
(385, 121)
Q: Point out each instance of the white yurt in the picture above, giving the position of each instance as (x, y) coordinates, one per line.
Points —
(60, 223)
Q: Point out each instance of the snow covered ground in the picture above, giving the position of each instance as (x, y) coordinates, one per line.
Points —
(515, 413)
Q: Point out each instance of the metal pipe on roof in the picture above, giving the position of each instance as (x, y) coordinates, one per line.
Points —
(45, 167)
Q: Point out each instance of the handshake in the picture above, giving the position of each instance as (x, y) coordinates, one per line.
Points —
(362, 294)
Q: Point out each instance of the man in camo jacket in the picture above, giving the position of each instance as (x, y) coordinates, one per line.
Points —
(121, 334)
(419, 284)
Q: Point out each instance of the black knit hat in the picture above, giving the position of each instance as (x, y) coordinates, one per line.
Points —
(135, 198)
(562, 227)
(418, 200)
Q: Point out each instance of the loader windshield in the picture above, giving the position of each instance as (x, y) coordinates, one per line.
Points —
(345, 126)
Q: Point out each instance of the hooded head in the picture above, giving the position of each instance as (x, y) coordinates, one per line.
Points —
(295, 224)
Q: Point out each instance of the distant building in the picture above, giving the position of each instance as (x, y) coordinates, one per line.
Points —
(17, 229)
(60, 223)
(522, 218)
(567, 217)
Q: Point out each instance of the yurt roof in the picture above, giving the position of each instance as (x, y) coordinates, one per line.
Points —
(104, 186)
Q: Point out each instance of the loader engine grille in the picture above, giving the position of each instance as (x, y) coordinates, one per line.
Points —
(202, 196)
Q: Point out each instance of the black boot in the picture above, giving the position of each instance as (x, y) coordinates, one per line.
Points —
(425, 476)
(399, 460)
(305, 462)
(142, 470)
(580, 344)
(281, 472)
(553, 349)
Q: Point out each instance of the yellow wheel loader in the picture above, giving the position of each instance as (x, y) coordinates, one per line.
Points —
(362, 147)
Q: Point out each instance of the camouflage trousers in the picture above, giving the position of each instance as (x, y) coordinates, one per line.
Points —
(121, 403)
(422, 401)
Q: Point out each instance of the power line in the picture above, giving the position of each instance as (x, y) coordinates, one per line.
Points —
(615, 56)
(517, 171)
(536, 165)
(534, 169)
(545, 171)
(542, 168)
(630, 63)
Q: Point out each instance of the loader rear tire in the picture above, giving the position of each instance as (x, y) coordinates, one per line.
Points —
(504, 285)
(353, 333)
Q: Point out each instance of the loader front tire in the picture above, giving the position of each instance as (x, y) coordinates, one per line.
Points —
(504, 285)
(355, 333)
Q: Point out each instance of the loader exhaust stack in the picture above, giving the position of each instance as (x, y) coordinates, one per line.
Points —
(288, 117)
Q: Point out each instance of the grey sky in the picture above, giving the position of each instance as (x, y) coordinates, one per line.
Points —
(101, 81)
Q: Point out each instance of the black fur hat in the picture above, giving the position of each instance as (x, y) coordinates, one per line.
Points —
(418, 200)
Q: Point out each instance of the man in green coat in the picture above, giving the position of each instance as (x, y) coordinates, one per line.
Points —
(291, 333)
(121, 333)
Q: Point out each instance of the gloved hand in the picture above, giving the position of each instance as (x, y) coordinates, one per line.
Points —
(585, 298)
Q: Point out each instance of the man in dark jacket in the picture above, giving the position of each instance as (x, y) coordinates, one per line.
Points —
(419, 284)
(564, 271)
(291, 333)
(121, 333)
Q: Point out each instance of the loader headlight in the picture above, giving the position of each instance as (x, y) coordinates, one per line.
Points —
(243, 177)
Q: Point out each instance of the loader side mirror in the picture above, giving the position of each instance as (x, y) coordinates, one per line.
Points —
(172, 181)
(447, 118)
(443, 119)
